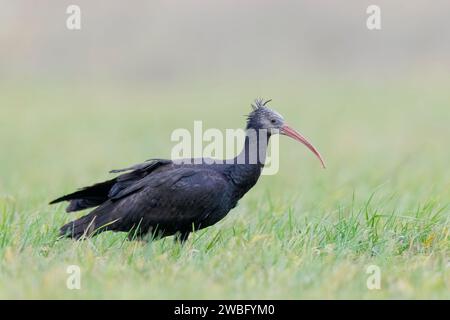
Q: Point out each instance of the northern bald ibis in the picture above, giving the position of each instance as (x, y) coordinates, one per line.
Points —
(164, 197)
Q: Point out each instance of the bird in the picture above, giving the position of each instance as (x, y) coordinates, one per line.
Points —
(162, 197)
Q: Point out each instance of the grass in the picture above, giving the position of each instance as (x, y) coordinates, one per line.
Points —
(303, 233)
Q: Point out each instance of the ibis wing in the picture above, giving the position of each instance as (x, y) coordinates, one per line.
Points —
(99, 193)
(171, 199)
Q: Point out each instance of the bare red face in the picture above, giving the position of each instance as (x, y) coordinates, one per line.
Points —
(291, 132)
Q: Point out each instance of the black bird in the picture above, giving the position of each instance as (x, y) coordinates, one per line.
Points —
(164, 197)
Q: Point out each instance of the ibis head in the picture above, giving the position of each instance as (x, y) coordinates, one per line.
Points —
(264, 118)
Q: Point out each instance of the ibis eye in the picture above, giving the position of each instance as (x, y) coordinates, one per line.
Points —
(273, 121)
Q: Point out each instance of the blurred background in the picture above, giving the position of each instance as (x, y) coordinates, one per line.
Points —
(177, 41)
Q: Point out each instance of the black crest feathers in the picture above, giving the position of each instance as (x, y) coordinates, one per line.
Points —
(260, 103)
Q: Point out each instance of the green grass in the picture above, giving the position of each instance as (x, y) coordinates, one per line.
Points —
(304, 233)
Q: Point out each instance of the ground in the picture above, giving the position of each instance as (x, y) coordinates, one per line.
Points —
(382, 202)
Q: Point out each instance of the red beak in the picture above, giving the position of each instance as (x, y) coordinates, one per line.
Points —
(290, 132)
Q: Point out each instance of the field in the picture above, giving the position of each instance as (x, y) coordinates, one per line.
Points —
(304, 233)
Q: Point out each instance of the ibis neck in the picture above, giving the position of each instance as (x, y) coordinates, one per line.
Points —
(247, 166)
(255, 148)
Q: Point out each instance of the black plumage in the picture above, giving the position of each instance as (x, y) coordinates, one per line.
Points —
(164, 197)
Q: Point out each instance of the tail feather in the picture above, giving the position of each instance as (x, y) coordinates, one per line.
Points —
(87, 197)
(99, 193)
(89, 225)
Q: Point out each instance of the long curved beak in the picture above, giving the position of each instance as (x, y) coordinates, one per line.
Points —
(294, 134)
